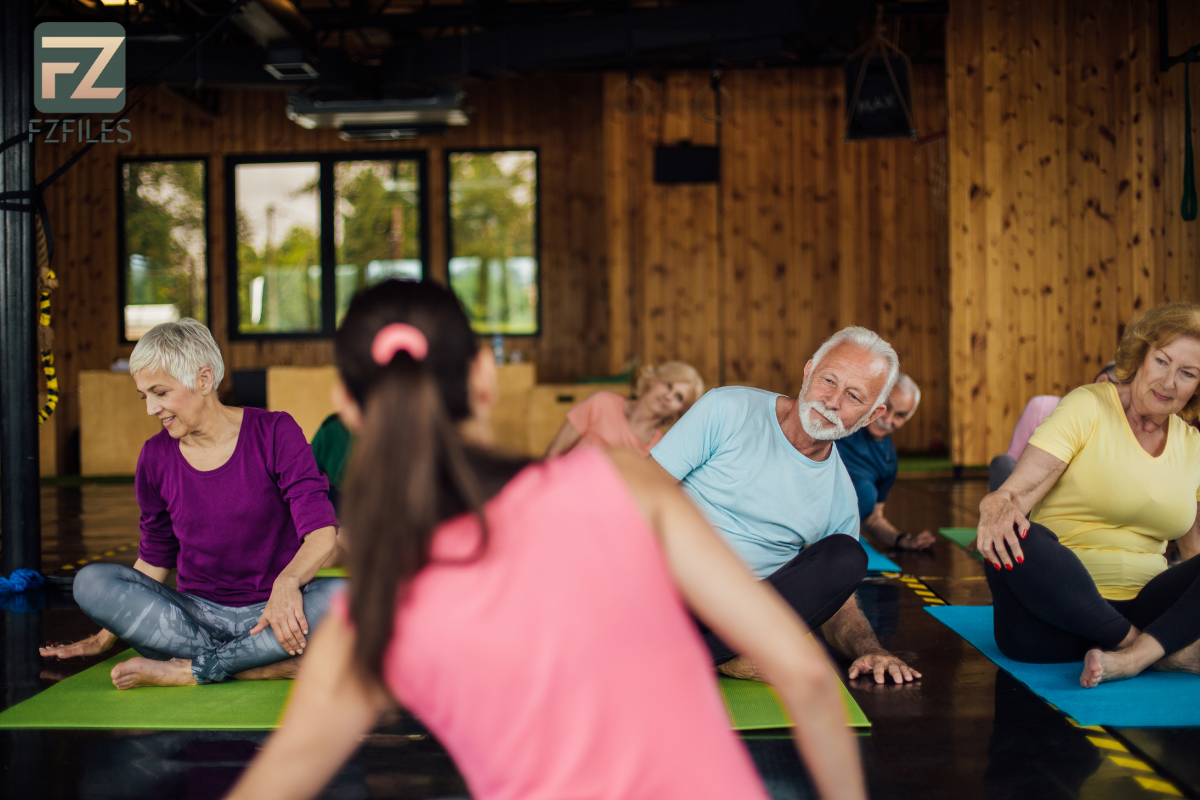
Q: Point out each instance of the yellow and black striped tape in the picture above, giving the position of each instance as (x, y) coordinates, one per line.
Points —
(47, 357)
(923, 591)
(83, 562)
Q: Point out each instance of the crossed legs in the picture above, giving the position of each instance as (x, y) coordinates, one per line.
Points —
(1048, 610)
(183, 638)
(816, 584)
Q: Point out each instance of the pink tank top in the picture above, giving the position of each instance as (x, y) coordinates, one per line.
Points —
(601, 422)
(563, 663)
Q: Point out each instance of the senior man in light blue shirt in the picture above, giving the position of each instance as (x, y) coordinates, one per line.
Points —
(764, 470)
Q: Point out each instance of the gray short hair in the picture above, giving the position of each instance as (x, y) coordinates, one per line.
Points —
(909, 385)
(180, 349)
(874, 344)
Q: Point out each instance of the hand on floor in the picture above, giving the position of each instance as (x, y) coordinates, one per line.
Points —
(916, 541)
(881, 665)
(91, 646)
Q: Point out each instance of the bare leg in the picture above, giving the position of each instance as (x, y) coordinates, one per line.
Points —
(145, 672)
(285, 670)
(740, 667)
(1185, 660)
(1100, 666)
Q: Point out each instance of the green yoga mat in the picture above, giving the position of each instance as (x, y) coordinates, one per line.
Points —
(89, 700)
(962, 537)
(754, 706)
(332, 572)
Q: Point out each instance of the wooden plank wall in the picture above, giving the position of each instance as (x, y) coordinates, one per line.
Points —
(805, 234)
(559, 115)
(1066, 146)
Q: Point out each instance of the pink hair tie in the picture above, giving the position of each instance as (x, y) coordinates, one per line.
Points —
(397, 337)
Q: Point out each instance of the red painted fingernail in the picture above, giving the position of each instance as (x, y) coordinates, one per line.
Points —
(1020, 559)
(996, 564)
(1009, 567)
(1023, 534)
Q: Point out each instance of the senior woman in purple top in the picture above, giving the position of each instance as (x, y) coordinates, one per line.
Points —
(232, 499)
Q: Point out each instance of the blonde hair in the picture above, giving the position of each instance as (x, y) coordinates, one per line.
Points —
(1157, 328)
(180, 349)
(671, 372)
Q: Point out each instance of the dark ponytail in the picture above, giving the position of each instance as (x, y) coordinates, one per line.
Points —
(410, 469)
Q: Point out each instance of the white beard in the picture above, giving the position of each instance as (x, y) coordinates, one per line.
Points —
(836, 430)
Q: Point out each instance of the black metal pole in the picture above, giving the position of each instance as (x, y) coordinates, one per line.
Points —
(20, 523)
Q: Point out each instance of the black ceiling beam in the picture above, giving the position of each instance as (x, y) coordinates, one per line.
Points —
(232, 65)
(605, 41)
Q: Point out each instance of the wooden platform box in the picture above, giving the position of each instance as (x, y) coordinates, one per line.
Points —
(303, 392)
(113, 423)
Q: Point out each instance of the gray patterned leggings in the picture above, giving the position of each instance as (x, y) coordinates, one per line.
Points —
(161, 623)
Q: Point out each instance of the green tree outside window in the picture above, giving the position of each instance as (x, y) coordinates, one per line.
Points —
(164, 243)
(493, 239)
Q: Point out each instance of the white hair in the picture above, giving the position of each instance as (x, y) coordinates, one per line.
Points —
(180, 349)
(874, 344)
(907, 384)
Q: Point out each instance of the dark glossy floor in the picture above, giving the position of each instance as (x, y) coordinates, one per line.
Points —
(966, 730)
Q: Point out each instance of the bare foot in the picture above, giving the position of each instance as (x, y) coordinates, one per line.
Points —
(1100, 667)
(145, 672)
(1185, 660)
(285, 670)
(741, 667)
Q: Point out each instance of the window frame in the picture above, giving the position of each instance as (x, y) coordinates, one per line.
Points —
(537, 225)
(123, 255)
(325, 162)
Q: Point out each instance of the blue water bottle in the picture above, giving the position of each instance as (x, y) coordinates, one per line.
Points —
(498, 348)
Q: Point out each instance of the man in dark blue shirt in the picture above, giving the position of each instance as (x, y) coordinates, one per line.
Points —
(870, 458)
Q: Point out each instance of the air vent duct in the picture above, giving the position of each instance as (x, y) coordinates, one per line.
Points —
(360, 117)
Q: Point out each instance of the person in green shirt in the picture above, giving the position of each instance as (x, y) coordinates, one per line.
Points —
(331, 449)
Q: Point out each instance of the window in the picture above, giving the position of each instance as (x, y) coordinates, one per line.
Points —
(312, 232)
(377, 227)
(163, 210)
(279, 248)
(493, 235)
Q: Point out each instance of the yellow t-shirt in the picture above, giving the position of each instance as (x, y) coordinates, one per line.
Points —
(1116, 506)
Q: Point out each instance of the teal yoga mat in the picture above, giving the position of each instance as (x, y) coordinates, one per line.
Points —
(877, 561)
(1151, 700)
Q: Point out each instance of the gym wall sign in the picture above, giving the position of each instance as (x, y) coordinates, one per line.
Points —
(79, 68)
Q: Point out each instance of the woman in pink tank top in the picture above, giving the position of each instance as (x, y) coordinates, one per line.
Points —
(533, 616)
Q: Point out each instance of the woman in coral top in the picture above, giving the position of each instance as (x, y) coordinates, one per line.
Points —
(611, 421)
(509, 640)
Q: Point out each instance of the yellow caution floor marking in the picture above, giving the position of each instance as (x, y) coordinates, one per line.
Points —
(1130, 763)
(1108, 744)
(83, 562)
(1155, 785)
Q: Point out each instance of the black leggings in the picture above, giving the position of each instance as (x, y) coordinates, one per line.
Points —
(815, 584)
(1048, 610)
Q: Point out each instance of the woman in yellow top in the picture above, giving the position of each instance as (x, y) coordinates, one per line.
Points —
(1107, 480)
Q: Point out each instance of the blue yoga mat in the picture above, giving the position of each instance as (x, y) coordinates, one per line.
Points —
(877, 561)
(1151, 700)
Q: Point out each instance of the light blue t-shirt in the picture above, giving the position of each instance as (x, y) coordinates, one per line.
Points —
(765, 499)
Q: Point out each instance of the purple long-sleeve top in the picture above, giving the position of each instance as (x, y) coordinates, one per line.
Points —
(230, 531)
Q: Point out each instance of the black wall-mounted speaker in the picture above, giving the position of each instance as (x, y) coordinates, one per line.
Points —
(687, 163)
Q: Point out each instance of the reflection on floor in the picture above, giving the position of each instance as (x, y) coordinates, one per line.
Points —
(966, 730)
